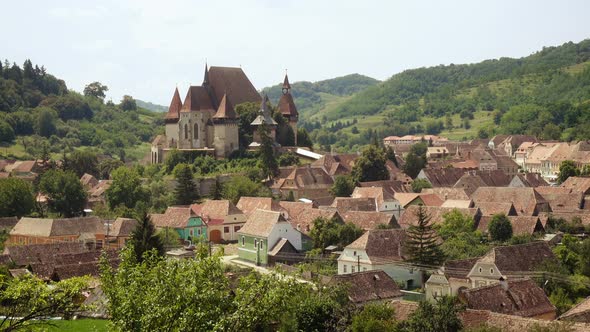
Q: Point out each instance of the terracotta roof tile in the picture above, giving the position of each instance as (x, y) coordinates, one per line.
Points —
(197, 99)
(526, 201)
(521, 257)
(174, 217)
(175, 107)
(381, 245)
(58, 227)
(522, 297)
(436, 214)
(579, 313)
(225, 109)
(368, 286)
(345, 204)
(233, 82)
(287, 105)
(261, 222)
(368, 220)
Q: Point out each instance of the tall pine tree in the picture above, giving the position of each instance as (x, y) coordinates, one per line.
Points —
(186, 191)
(144, 237)
(268, 161)
(422, 241)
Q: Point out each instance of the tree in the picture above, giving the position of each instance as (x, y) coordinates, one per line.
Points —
(324, 232)
(217, 191)
(96, 89)
(45, 124)
(81, 161)
(145, 239)
(126, 188)
(16, 197)
(422, 242)
(169, 237)
(303, 138)
(64, 191)
(268, 161)
(419, 184)
(390, 155)
(28, 301)
(185, 192)
(342, 187)
(288, 159)
(6, 132)
(128, 103)
(500, 228)
(370, 166)
(461, 240)
(239, 186)
(256, 302)
(415, 160)
(378, 317)
(567, 168)
(441, 316)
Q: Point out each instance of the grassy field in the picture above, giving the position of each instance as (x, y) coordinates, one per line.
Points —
(79, 325)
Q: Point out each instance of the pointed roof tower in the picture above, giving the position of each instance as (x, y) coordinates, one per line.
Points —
(225, 110)
(286, 85)
(175, 107)
(264, 114)
(286, 104)
(206, 77)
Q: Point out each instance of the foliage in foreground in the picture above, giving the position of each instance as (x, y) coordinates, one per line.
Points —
(31, 302)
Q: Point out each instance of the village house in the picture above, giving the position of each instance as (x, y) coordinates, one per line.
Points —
(411, 139)
(373, 286)
(578, 313)
(384, 200)
(528, 180)
(345, 204)
(447, 193)
(520, 297)
(521, 225)
(39, 231)
(441, 177)
(368, 220)
(526, 201)
(436, 152)
(25, 169)
(577, 183)
(408, 199)
(184, 221)
(436, 214)
(476, 319)
(492, 208)
(303, 182)
(380, 249)
(118, 233)
(265, 236)
(507, 262)
(223, 219)
(509, 145)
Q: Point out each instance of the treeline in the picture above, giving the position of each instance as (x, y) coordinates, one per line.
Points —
(40, 113)
(307, 95)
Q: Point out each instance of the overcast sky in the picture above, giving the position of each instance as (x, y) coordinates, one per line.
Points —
(146, 48)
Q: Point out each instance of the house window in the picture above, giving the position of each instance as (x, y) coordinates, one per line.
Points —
(243, 241)
(354, 253)
(237, 228)
(344, 268)
(191, 232)
(352, 268)
(255, 243)
(199, 231)
(226, 229)
(261, 244)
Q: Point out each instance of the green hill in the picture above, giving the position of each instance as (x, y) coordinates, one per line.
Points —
(312, 97)
(545, 94)
(151, 106)
(39, 115)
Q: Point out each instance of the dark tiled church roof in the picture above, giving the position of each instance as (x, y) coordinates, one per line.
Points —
(287, 105)
(197, 99)
(233, 82)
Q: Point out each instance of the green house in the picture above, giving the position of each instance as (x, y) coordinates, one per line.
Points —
(184, 221)
(267, 233)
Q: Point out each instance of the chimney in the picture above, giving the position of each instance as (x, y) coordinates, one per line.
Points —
(503, 283)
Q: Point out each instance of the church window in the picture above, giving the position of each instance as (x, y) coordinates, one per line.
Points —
(185, 131)
(196, 131)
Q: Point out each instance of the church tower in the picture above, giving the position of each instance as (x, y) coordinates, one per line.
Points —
(264, 117)
(225, 128)
(287, 107)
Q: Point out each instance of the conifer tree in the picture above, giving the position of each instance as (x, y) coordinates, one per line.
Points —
(422, 243)
(144, 237)
(186, 190)
(217, 191)
(268, 161)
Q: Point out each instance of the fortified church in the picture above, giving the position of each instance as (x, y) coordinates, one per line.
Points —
(207, 121)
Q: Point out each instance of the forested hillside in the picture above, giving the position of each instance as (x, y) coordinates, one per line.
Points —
(311, 97)
(544, 94)
(40, 116)
(151, 106)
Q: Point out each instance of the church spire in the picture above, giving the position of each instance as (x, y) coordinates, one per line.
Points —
(175, 106)
(286, 85)
(206, 78)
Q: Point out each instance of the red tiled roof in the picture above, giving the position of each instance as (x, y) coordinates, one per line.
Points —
(287, 105)
(233, 82)
(175, 107)
(368, 286)
(225, 110)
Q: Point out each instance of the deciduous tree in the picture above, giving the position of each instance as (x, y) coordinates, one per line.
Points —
(126, 188)
(370, 166)
(500, 228)
(16, 197)
(64, 191)
(342, 187)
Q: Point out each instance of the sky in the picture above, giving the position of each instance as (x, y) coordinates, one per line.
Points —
(146, 48)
